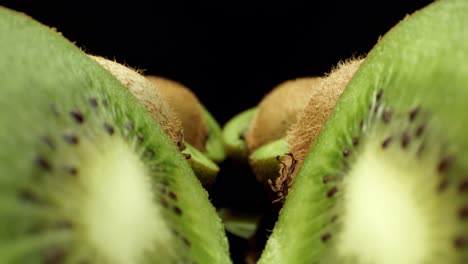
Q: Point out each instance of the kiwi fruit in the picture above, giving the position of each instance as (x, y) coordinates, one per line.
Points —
(187, 107)
(280, 175)
(234, 133)
(86, 175)
(201, 129)
(276, 114)
(153, 100)
(156, 102)
(386, 180)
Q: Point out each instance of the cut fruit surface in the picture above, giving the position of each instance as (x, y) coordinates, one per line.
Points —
(385, 181)
(86, 175)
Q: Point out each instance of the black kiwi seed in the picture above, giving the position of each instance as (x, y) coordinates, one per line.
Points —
(325, 237)
(186, 241)
(177, 210)
(376, 108)
(463, 187)
(71, 170)
(444, 164)
(386, 142)
(105, 103)
(43, 164)
(346, 152)
(463, 213)
(326, 179)
(93, 102)
(420, 130)
(130, 125)
(187, 155)
(379, 94)
(413, 113)
(55, 255)
(173, 196)
(361, 124)
(460, 242)
(77, 116)
(109, 129)
(71, 139)
(332, 192)
(140, 138)
(28, 196)
(355, 141)
(405, 139)
(387, 116)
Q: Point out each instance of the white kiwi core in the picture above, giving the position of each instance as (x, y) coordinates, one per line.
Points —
(120, 218)
(392, 211)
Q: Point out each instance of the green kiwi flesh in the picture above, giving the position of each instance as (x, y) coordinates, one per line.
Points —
(205, 169)
(240, 222)
(386, 180)
(265, 161)
(233, 135)
(214, 148)
(86, 175)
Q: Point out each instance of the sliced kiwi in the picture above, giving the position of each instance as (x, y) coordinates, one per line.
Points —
(234, 135)
(86, 175)
(386, 179)
(155, 102)
(214, 148)
(187, 107)
(205, 169)
(266, 163)
(200, 128)
(151, 98)
(278, 110)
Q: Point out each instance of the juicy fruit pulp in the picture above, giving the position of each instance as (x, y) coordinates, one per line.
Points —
(385, 181)
(86, 175)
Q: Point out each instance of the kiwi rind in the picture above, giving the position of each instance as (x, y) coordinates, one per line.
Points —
(278, 110)
(233, 135)
(421, 63)
(155, 102)
(266, 163)
(205, 169)
(214, 148)
(201, 129)
(44, 79)
(185, 104)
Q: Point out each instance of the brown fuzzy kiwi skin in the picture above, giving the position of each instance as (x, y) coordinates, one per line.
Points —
(187, 107)
(145, 92)
(278, 110)
(302, 134)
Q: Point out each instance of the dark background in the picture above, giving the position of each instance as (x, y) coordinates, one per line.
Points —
(229, 53)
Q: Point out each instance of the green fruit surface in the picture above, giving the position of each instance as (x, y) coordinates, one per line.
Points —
(86, 175)
(386, 180)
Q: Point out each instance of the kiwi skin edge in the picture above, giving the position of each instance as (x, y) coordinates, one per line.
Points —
(154, 99)
(407, 169)
(68, 150)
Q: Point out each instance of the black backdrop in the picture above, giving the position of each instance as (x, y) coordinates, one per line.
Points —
(230, 55)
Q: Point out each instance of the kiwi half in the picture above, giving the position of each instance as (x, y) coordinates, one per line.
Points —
(155, 100)
(386, 179)
(201, 129)
(86, 175)
(234, 132)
